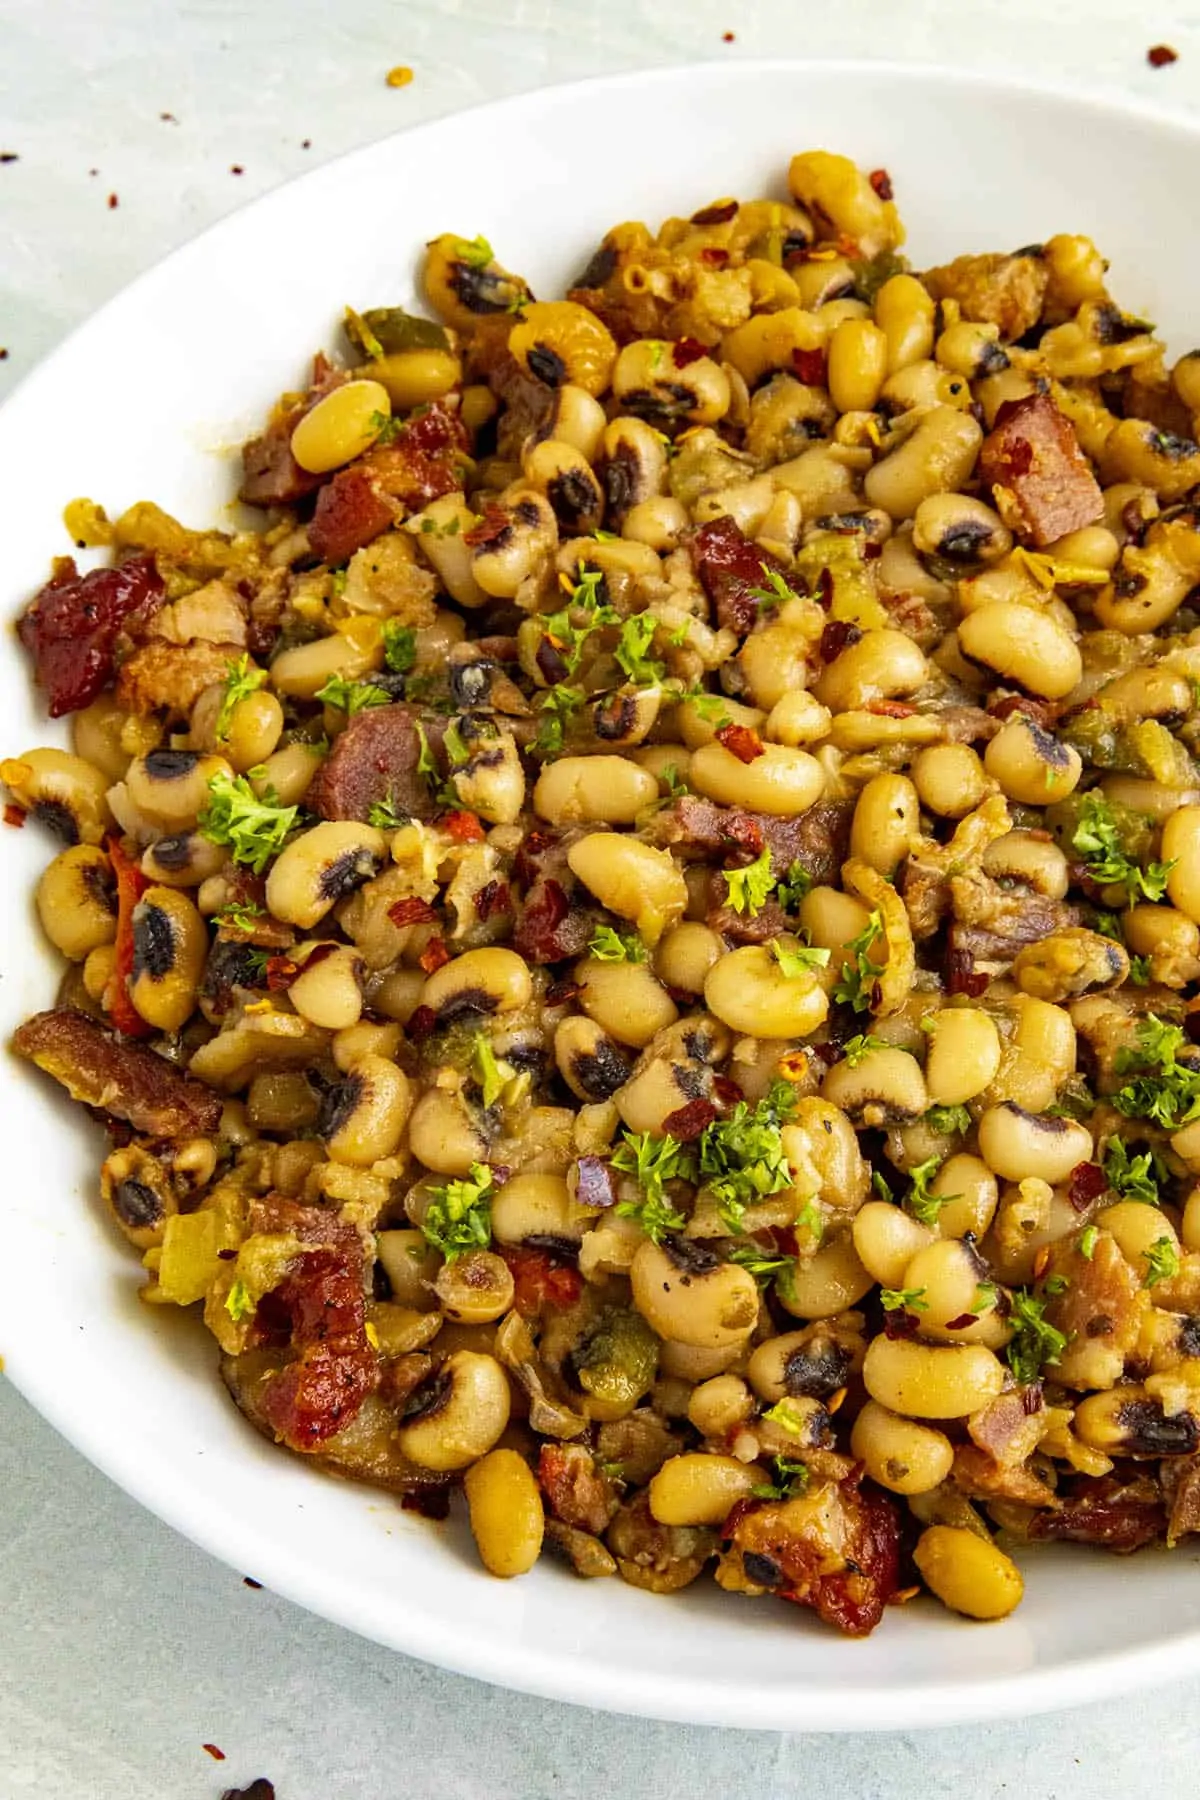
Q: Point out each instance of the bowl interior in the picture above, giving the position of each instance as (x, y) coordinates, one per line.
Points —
(148, 401)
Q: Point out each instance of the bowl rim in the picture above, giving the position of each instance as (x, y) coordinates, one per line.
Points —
(538, 1670)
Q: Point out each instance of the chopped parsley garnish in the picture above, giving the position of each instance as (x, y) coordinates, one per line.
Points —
(903, 1300)
(750, 888)
(856, 1049)
(1087, 1241)
(241, 680)
(1097, 837)
(609, 945)
(791, 1478)
(493, 1076)
(352, 697)
(558, 708)
(986, 1295)
(452, 743)
(459, 1215)
(764, 1267)
(476, 252)
(856, 984)
(809, 1219)
(1133, 1177)
(1162, 1262)
(1139, 971)
(788, 1417)
(709, 707)
(741, 1159)
(239, 915)
(947, 1120)
(1163, 1090)
(921, 1203)
(796, 884)
(385, 815)
(254, 830)
(566, 636)
(653, 1161)
(880, 1184)
(798, 959)
(399, 646)
(776, 591)
(1034, 1343)
(240, 1303)
(637, 635)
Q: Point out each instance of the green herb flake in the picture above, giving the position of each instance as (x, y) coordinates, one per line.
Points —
(880, 1184)
(385, 815)
(559, 707)
(1163, 1090)
(1132, 1177)
(240, 1303)
(762, 1264)
(920, 1201)
(709, 707)
(749, 889)
(1087, 1241)
(459, 1215)
(788, 1417)
(637, 635)
(791, 1478)
(253, 830)
(1139, 971)
(352, 697)
(1162, 1262)
(776, 590)
(493, 1076)
(241, 680)
(399, 646)
(476, 252)
(856, 1049)
(609, 945)
(903, 1300)
(948, 1121)
(653, 1161)
(741, 1158)
(1034, 1343)
(796, 885)
(1097, 837)
(859, 976)
(238, 915)
(798, 959)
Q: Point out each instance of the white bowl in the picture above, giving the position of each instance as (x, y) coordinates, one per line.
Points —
(144, 402)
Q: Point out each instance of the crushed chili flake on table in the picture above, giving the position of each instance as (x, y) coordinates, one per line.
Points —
(236, 169)
(7, 156)
(3, 354)
(399, 76)
(168, 118)
(1159, 55)
(113, 203)
(306, 143)
(216, 1754)
(727, 37)
(249, 1581)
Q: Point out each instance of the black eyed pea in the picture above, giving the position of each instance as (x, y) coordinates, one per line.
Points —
(98, 966)
(1153, 693)
(685, 955)
(537, 1205)
(1095, 546)
(398, 995)
(362, 1118)
(1189, 1229)
(565, 476)
(948, 1276)
(857, 366)
(475, 1289)
(719, 1405)
(327, 991)
(886, 1239)
(797, 718)
(822, 1150)
(184, 859)
(1022, 644)
(443, 1135)
(96, 736)
(685, 1293)
(697, 729)
(826, 1283)
(488, 981)
(170, 947)
(658, 1089)
(969, 1193)
(1137, 1228)
(950, 779)
(492, 783)
(900, 1455)
(773, 661)
(936, 457)
(320, 867)
(76, 901)
(1043, 1053)
(1068, 964)
(440, 530)
(576, 418)
(557, 341)
(688, 1362)
(505, 1510)
(460, 1413)
(831, 919)
(252, 731)
(700, 1489)
(417, 376)
(904, 312)
(931, 1381)
(1181, 845)
(281, 1100)
(887, 820)
(521, 548)
(1016, 1144)
(170, 788)
(747, 503)
(632, 879)
(633, 465)
(1031, 765)
(963, 1055)
(921, 385)
(886, 1086)
(63, 793)
(375, 1037)
(649, 382)
(798, 1364)
(781, 780)
(410, 1263)
(1030, 857)
(1149, 797)
(880, 665)
(341, 425)
(659, 522)
(968, 1573)
(1130, 1421)
(748, 990)
(668, 763)
(1137, 450)
(350, 652)
(588, 1060)
(288, 774)
(970, 348)
(1166, 935)
(625, 999)
(836, 189)
(603, 790)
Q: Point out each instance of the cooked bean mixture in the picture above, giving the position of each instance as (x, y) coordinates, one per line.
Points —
(637, 940)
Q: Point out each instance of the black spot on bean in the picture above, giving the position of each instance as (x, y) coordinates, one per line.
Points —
(230, 964)
(817, 1370)
(381, 1282)
(1148, 1432)
(762, 1570)
(964, 542)
(429, 1397)
(482, 290)
(547, 365)
(337, 1105)
(1173, 447)
(173, 853)
(527, 512)
(170, 765)
(992, 358)
(689, 1254)
(572, 495)
(665, 403)
(100, 885)
(601, 1072)
(1189, 1335)
(562, 1249)
(136, 1204)
(467, 1002)
(691, 1081)
(58, 819)
(1047, 747)
(615, 717)
(471, 683)
(346, 872)
(619, 479)
(153, 942)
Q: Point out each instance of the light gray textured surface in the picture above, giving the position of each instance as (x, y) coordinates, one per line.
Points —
(122, 1648)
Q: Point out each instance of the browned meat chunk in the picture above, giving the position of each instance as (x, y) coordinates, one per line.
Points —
(992, 923)
(981, 1477)
(996, 289)
(1042, 483)
(271, 476)
(735, 573)
(350, 512)
(1100, 1309)
(1118, 1515)
(162, 677)
(576, 1492)
(1181, 1484)
(374, 761)
(553, 921)
(101, 1069)
(818, 839)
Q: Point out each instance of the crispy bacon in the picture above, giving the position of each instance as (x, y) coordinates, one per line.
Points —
(741, 741)
(687, 1122)
(839, 1554)
(101, 1069)
(730, 569)
(539, 1281)
(1042, 482)
(1118, 1515)
(70, 628)
(576, 1492)
(321, 1305)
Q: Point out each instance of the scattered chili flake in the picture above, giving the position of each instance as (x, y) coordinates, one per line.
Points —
(687, 350)
(890, 709)
(113, 203)
(131, 885)
(262, 1789)
(848, 246)
(399, 77)
(837, 636)
(811, 366)
(719, 213)
(412, 911)
(714, 257)
(464, 827)
(1088, 1182)
(493, 524)
(961, 977)
(236, 169)
(421, 1023)
(249, 1581)
(687, 1122)
(741, 741)
(435, 955)
(493, 897)
(727, 37)
(1041, 1262)
(835, 1400)
(306, 143)
(1159, 55)
(3, 354)
(794, 1066)
(1032, 1398)
(538, 1280)
(14, 815)
(824, 593)
(961, 1322)
(217, 1755)
(901, 1324)
(281, 972)
(881, 181)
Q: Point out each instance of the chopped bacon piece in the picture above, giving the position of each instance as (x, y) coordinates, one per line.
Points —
(435, 955)
(412, 911)
(103, 1070)
(539, 1281)
(1042, 482)
(322, 1302)
(734, 572)
(374, 762)
(1119, 1515)
(464, 828)
(811, 366)
(741, 741)
(836, 1550)
(70, 628)
(721, 211)
(576, 1492)
(1088, 1182)
(350, 512)
(687, 1122)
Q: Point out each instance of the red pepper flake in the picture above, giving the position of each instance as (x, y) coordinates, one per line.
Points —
(1088, 1182)
(714, 257)
(539, 1281)
(837, 636)
(113, 203)
(1159, 55)
(596, 1186)
(14, 815)
(881, 181)
(687, 1122)
(494, 523)
(131, 885)
(249, 1581)
(306, 143)
(421, 1023)
(493, 897)
(463, 827)
(236, 169)
(1032, 1398)
(412, 911)
(217, 1755)
(1042, 712)
(812, 366)
(741, 741)
(3, 354)
(848, 246)
(961, 977)
(435, 955)
(559, 992)
(281, 972)
(226, 1255)
(687, 350)
(168, 118)
(890, 709)
(962, 1321)
(728, 37)
(1041, 1262)
(824, 593)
